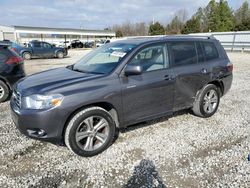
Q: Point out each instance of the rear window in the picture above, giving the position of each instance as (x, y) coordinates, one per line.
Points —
(183, 52)
(201, 57)
(210, 51)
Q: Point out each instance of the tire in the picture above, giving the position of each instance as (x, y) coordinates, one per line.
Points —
(59, 55)
(80, 45)
(88, 139)
(4, 92)
(26, 56)
(207, 101)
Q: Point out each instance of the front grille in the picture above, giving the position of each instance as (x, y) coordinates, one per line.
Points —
(17, 99)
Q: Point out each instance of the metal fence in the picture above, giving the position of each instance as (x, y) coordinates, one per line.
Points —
(232, 41)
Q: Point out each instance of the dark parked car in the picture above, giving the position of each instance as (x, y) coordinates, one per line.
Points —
(76, 44)
(38, 49)
(14, 46)
(120, 84)
(11, 70)
(89, 44)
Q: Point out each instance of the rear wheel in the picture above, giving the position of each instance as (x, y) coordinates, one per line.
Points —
(90, 132)
(26, 56)
(207, 101)
(4, 91)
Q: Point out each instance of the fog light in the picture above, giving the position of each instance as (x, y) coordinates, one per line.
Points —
(36, 132)
(41, 132)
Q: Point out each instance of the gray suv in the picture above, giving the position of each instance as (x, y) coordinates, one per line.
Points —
(120, 84)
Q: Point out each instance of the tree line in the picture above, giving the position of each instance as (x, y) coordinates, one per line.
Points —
(217, 16)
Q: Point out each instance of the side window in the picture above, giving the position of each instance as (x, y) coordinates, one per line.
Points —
(184, 53)
(37, 45)
(46, 45)
(201, 57)
(152, 58)
(210, 51)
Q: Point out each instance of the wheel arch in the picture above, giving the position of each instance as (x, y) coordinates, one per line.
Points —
(25, 51)
(105, 105)
(6, 82)
(219, 84)
(58, 50)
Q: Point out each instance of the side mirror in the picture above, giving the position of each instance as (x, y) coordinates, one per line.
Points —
(133, 70)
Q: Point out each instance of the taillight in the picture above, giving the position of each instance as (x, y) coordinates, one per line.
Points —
(14, 60)
(14, 49)
(230, 67)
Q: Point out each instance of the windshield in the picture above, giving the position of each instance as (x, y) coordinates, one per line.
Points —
(104, 59)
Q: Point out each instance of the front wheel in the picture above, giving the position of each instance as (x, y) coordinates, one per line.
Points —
(207, 101)
(90, 132)
(60, 55)
(26, 55)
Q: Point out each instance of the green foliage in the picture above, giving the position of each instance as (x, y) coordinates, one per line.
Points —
(242, 18)
(156, 29)
(212, 12)
(243, 13)
(217, 16)
(175, 26)
(201, 15)
(191, 26)
(225, 13)
(243, 26)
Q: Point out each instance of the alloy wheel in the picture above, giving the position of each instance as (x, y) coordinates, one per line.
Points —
(27, 56)
(92, 133)
(210, 101)
(1, 92)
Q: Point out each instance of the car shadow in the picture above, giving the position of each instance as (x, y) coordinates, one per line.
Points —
(145, 175)
(154, 121)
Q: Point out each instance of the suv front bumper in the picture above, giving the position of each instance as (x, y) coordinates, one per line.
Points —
(41, 125)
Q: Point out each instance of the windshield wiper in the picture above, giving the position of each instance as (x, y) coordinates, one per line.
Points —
(84, 71)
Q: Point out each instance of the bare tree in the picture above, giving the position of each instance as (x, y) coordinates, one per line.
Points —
(182, 15)
(132, 29)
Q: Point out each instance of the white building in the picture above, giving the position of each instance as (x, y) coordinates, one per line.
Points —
(24, 34)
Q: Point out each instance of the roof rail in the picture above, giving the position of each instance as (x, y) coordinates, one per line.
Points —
(202, 36)
(190, 36)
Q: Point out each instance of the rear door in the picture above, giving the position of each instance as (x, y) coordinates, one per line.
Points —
(190, 70)
(150, 93)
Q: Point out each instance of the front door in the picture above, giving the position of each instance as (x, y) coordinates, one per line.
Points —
(151, 93)
(47, 50)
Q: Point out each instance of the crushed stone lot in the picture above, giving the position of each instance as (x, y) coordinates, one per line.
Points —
(176, 151)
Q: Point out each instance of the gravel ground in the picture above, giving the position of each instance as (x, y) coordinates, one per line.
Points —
(176, 151)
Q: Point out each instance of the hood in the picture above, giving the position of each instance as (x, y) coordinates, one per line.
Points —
(47, 81)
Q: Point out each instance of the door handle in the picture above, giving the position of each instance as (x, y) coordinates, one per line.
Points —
(168, 77)
(204, 71)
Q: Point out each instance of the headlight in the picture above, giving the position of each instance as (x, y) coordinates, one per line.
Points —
(42, 101)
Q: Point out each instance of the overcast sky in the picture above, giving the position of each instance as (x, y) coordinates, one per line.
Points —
(94, 14)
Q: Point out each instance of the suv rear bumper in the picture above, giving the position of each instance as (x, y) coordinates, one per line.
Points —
(14, 78)
(227, 83)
